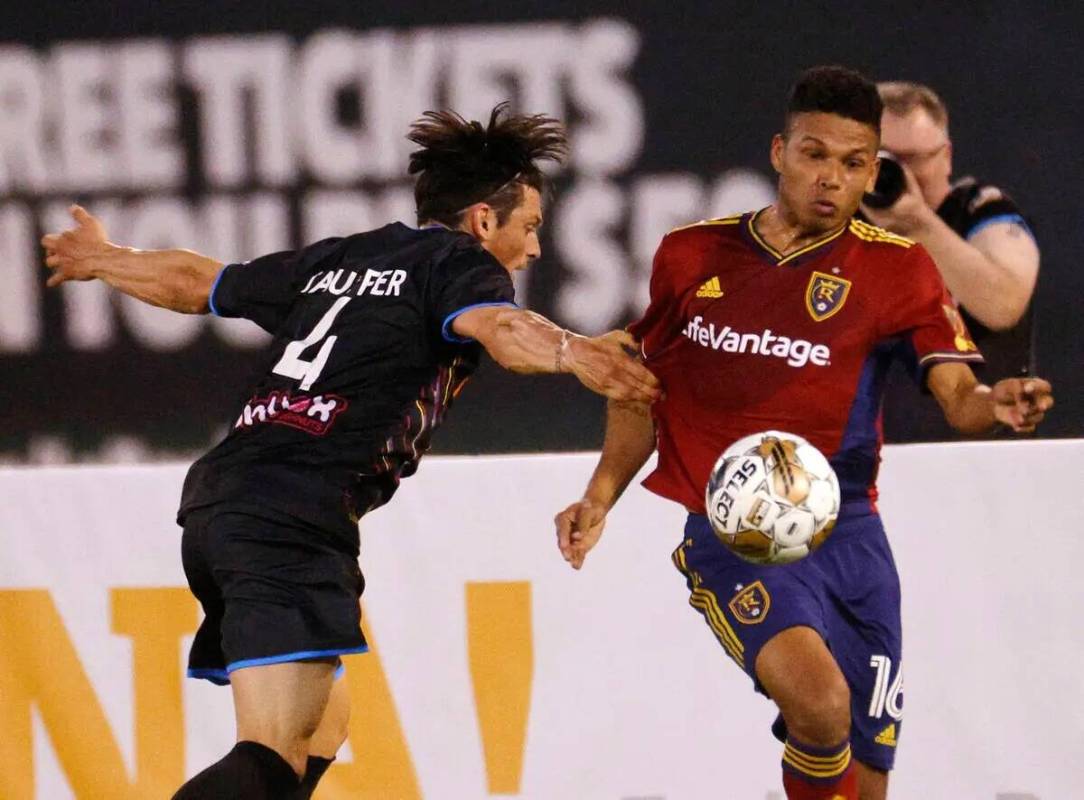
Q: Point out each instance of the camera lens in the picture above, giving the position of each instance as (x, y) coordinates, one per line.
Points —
(890, 183)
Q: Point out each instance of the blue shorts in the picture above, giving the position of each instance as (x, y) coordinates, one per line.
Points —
(848, 591)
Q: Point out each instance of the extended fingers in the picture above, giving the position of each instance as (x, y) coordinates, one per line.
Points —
(1032, 413)
(1034, 400)
(623, 339)
(645, 377)
(632, 381)
(625, 391)
(564, 530)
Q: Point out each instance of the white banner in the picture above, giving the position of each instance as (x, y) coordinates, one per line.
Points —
(497, 670)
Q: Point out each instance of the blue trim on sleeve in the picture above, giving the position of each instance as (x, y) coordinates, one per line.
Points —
(211, 296)
(340, 670)
(302, 655)
(448, 320)
(1011, 218)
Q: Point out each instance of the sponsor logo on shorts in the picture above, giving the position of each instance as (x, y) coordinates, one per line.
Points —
(887, 737)
(796, 352)
(750, 605)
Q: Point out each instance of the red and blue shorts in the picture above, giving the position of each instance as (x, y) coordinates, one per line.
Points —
(848, 591)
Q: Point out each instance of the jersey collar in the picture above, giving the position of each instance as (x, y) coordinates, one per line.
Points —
(774, 255)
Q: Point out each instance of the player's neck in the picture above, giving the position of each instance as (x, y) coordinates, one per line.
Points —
(783, 231)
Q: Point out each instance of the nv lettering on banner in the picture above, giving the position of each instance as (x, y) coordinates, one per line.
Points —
(41, 669)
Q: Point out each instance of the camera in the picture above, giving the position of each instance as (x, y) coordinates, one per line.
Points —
(890, 183)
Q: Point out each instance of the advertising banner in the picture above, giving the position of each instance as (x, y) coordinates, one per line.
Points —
(498, 670)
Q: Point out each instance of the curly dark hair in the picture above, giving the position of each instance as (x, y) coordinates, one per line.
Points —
(836, 90)
(461, 163)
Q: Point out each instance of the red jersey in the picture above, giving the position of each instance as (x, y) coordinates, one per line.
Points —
(744, 339)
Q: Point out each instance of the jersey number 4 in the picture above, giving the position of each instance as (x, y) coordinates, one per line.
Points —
(292, 365)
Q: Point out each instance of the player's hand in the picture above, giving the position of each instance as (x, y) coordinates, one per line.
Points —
(72, 254)
(1021, 403)
(908, 215)
(603, 364)
(579, 527)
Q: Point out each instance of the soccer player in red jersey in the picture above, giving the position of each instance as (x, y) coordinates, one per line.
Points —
(787, 318)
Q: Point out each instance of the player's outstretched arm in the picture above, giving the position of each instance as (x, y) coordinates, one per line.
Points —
(973, 407)
(523, 341)
(992, 274)
(630, 440)
(179, 280)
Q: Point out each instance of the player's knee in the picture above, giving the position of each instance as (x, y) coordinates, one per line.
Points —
(290, 738)
(822, 715)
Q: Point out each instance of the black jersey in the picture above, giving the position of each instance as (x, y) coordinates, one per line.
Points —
(363, 367)
(968, 208)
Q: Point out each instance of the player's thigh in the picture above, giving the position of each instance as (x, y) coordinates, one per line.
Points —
(745, 605)
(281, 702)
(864, 631)
(334, 724)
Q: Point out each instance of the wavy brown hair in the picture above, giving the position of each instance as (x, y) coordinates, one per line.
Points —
(461, 163)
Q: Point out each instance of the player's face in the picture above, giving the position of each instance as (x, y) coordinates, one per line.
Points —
(825, 163)
(924, 146)
(515, 242)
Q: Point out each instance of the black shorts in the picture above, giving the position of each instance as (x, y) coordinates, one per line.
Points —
(271, 591)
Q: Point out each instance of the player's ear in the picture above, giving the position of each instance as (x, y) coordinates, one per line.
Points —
(778, 143)
(480, 221)
(872, 182)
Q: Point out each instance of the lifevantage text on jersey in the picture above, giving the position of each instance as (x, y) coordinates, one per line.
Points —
(797, 352)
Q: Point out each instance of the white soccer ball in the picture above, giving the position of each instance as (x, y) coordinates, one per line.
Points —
(772, 498)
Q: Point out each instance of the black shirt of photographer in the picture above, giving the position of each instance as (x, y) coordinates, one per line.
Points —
(909, 416)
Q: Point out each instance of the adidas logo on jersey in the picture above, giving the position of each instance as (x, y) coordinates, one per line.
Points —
(710, 289)
(887, 736)
(796, 352)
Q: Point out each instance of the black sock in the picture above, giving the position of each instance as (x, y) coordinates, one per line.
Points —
(314, 771)
(250, 771)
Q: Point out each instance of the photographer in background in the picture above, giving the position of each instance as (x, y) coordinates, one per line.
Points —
(979, 239)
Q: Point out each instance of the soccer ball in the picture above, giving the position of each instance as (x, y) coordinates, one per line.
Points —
(772, 498)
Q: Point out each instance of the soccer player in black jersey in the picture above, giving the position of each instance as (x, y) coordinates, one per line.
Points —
(375, 334)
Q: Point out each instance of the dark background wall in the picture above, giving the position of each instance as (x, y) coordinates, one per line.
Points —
(708, 81)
